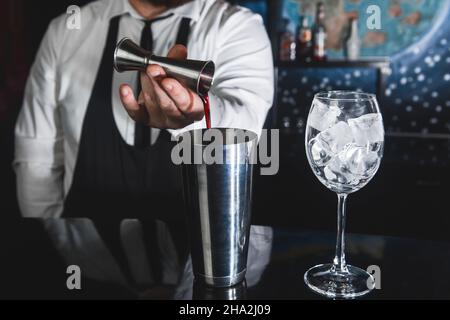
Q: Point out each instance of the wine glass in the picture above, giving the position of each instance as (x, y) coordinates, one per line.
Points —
(344, 145)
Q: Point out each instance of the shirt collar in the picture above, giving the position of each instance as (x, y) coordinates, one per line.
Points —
(189, 10)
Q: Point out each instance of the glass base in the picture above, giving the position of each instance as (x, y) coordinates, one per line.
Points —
(325, 280)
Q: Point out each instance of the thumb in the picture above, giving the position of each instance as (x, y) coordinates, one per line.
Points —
(178, 52)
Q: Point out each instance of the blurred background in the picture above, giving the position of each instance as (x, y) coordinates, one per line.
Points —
(404, 58)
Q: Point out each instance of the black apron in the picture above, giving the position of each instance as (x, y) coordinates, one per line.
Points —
(113, 180)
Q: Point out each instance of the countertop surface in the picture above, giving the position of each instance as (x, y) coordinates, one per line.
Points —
(35, 266)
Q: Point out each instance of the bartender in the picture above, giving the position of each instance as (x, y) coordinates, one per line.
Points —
(96, 143)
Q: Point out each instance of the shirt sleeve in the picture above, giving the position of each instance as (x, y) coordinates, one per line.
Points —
(243, 88)
(39, 153)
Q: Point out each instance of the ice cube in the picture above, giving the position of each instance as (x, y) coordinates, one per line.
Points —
(367, 129)
(320, 152)
(337, 172)
(322, 116)
(359, 161)
(336, 137)
(332, 171)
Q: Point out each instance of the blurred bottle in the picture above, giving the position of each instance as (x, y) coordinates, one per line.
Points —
(319, 34)
(304, 41)
(352, 43)
(287, 47)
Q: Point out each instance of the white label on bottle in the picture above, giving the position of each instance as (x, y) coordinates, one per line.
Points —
(320, 44)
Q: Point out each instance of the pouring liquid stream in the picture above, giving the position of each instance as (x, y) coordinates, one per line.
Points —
(205, 100)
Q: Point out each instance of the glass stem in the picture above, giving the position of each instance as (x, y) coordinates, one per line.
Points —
(339, 259)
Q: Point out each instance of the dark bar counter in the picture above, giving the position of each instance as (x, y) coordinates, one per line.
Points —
(408, 268)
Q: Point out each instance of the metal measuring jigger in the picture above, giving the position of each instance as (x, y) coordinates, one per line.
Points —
(194, 74)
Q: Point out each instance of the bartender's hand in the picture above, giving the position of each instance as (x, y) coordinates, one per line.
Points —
(163, 102)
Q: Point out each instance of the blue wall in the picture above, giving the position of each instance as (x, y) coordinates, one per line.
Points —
(418, 93)
(395, 29)
(417, 96)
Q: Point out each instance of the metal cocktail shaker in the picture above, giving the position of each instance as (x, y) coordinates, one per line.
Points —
(196, 75)
(218, 199)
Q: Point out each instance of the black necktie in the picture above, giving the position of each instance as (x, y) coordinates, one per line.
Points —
(142, 131)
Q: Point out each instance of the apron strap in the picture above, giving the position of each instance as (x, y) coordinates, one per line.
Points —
(183, 32)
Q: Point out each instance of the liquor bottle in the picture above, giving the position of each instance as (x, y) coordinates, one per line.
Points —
(352, 44)
(319, 34)
(304, 41)
(287, 49)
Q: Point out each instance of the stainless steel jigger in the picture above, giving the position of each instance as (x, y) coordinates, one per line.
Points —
(194, 74)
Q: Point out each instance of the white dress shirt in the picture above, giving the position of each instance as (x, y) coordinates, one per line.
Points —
(49, 126)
